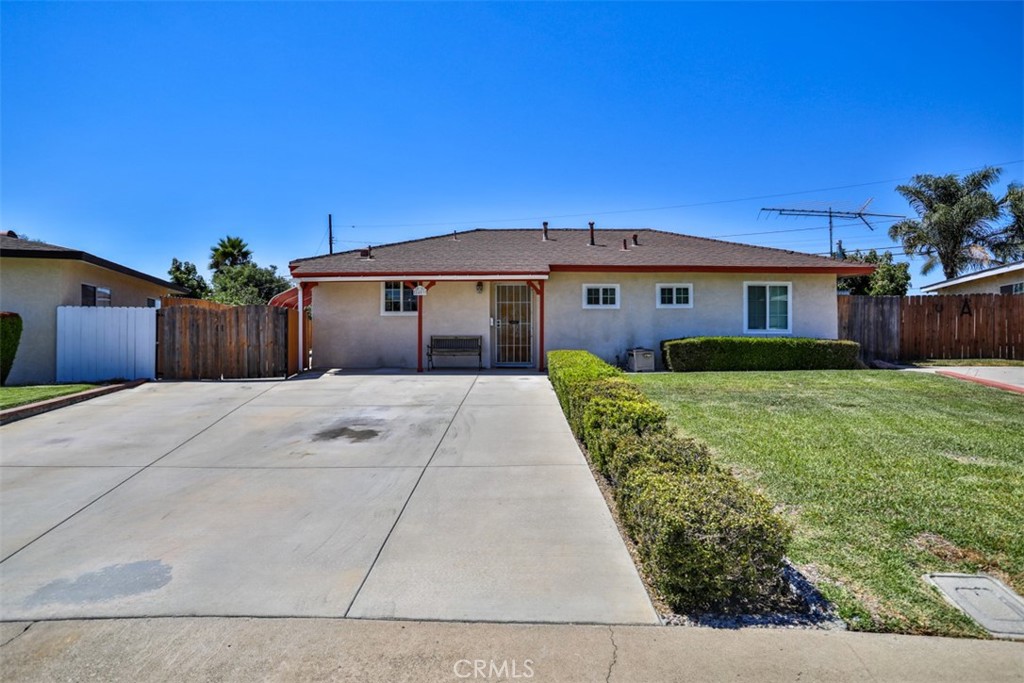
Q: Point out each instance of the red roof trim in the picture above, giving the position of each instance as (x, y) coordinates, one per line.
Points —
(426, 273)
(838, 270)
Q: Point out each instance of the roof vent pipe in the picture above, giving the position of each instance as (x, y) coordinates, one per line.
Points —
(592, 243)
(636, 242)
(545, 231)
(455, 234)
(624, 244)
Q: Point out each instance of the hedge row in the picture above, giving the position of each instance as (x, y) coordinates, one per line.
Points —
(10, 336)
(698, 354)
(706, 541)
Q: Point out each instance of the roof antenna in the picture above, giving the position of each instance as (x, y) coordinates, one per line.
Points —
(592, 234)
(830, 213)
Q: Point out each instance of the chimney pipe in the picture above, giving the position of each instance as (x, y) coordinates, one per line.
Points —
(636, 243)
(455, 234)
(545, 231)
(624, 243)
(592, 243)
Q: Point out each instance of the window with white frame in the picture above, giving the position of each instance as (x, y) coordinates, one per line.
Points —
(600, 296)
(397, 298)
(767, 307)
(1015, 288)
(673, 295)
(95, 296)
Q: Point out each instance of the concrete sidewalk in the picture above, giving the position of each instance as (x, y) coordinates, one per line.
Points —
(1008, 378)
(219, 649)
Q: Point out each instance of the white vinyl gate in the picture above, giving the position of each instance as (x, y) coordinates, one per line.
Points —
(95, 344)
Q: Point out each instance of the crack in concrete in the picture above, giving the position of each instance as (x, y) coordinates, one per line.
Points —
(17, 635)
(615, 655)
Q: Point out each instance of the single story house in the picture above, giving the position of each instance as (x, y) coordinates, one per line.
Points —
(1004, 279)
(36, 278)
(524, 291)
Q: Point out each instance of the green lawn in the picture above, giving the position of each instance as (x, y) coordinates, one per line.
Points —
(17, 396)
(885, 475)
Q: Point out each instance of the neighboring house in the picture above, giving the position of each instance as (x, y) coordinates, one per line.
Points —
(36, 278)
(1006, 279)
(525, 291)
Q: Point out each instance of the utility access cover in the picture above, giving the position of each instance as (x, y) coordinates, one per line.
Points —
(988, 601)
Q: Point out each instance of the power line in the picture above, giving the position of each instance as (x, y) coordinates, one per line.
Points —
(669, 206)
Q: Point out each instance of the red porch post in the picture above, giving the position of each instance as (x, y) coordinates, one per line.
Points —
(538, 287)
(419, 324)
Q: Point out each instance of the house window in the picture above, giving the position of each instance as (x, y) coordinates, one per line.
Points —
(673, 295)
(152, 303)
(95, 296)
(767, 307)
(600, 296)
(397, 299)
(1015, 288)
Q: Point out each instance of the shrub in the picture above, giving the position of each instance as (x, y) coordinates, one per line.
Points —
(571, 374)
(759, 353)
(662, 452)
(616, 409)
(10, 337)
(705, 540)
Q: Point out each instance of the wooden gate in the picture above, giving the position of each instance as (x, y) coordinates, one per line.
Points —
(230, 343)
(874, 323)
(946, 326)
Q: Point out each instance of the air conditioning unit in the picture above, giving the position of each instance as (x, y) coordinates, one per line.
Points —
(640, 360)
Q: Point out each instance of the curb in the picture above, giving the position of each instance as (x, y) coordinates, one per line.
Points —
(40, 407)
(981, 380)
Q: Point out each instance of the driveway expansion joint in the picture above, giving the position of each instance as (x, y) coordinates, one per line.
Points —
(135, 474)
(398, 517)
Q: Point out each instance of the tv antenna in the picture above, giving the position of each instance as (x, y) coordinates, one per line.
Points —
(831, 213)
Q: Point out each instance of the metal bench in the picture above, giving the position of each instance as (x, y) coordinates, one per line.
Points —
(455, 345)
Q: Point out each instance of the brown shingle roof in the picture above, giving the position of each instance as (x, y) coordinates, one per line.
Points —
(519, 251)
(14, 247)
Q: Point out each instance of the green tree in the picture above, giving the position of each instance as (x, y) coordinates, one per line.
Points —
(247, 284)
(1008, 243)
(185, 274)
(954, 228)
(229, 251)
(889, 278)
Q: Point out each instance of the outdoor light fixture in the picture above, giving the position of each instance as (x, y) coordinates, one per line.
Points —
(479, 288)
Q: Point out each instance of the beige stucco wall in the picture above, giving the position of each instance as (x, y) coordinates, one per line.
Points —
(350, 331)
(34, 288)
(717, 310)
(988, 285)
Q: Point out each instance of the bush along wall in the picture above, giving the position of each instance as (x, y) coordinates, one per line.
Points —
(702, 354)
(10, 337)
(706, 541)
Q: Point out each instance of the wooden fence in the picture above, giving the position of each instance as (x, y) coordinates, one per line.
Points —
(195, 342)
(948, 326)
(171, 301)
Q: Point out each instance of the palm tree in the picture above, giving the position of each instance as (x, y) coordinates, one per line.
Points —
(229, 251)
(955, 225)
(1008, 243)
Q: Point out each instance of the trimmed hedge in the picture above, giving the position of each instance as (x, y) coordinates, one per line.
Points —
(705, 540)
(10, 337)
(659, 452)
(702, 354)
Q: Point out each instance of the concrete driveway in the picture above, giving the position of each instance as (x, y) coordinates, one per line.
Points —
(437, 496)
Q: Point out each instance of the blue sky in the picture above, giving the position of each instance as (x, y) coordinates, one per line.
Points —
(142, 132)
